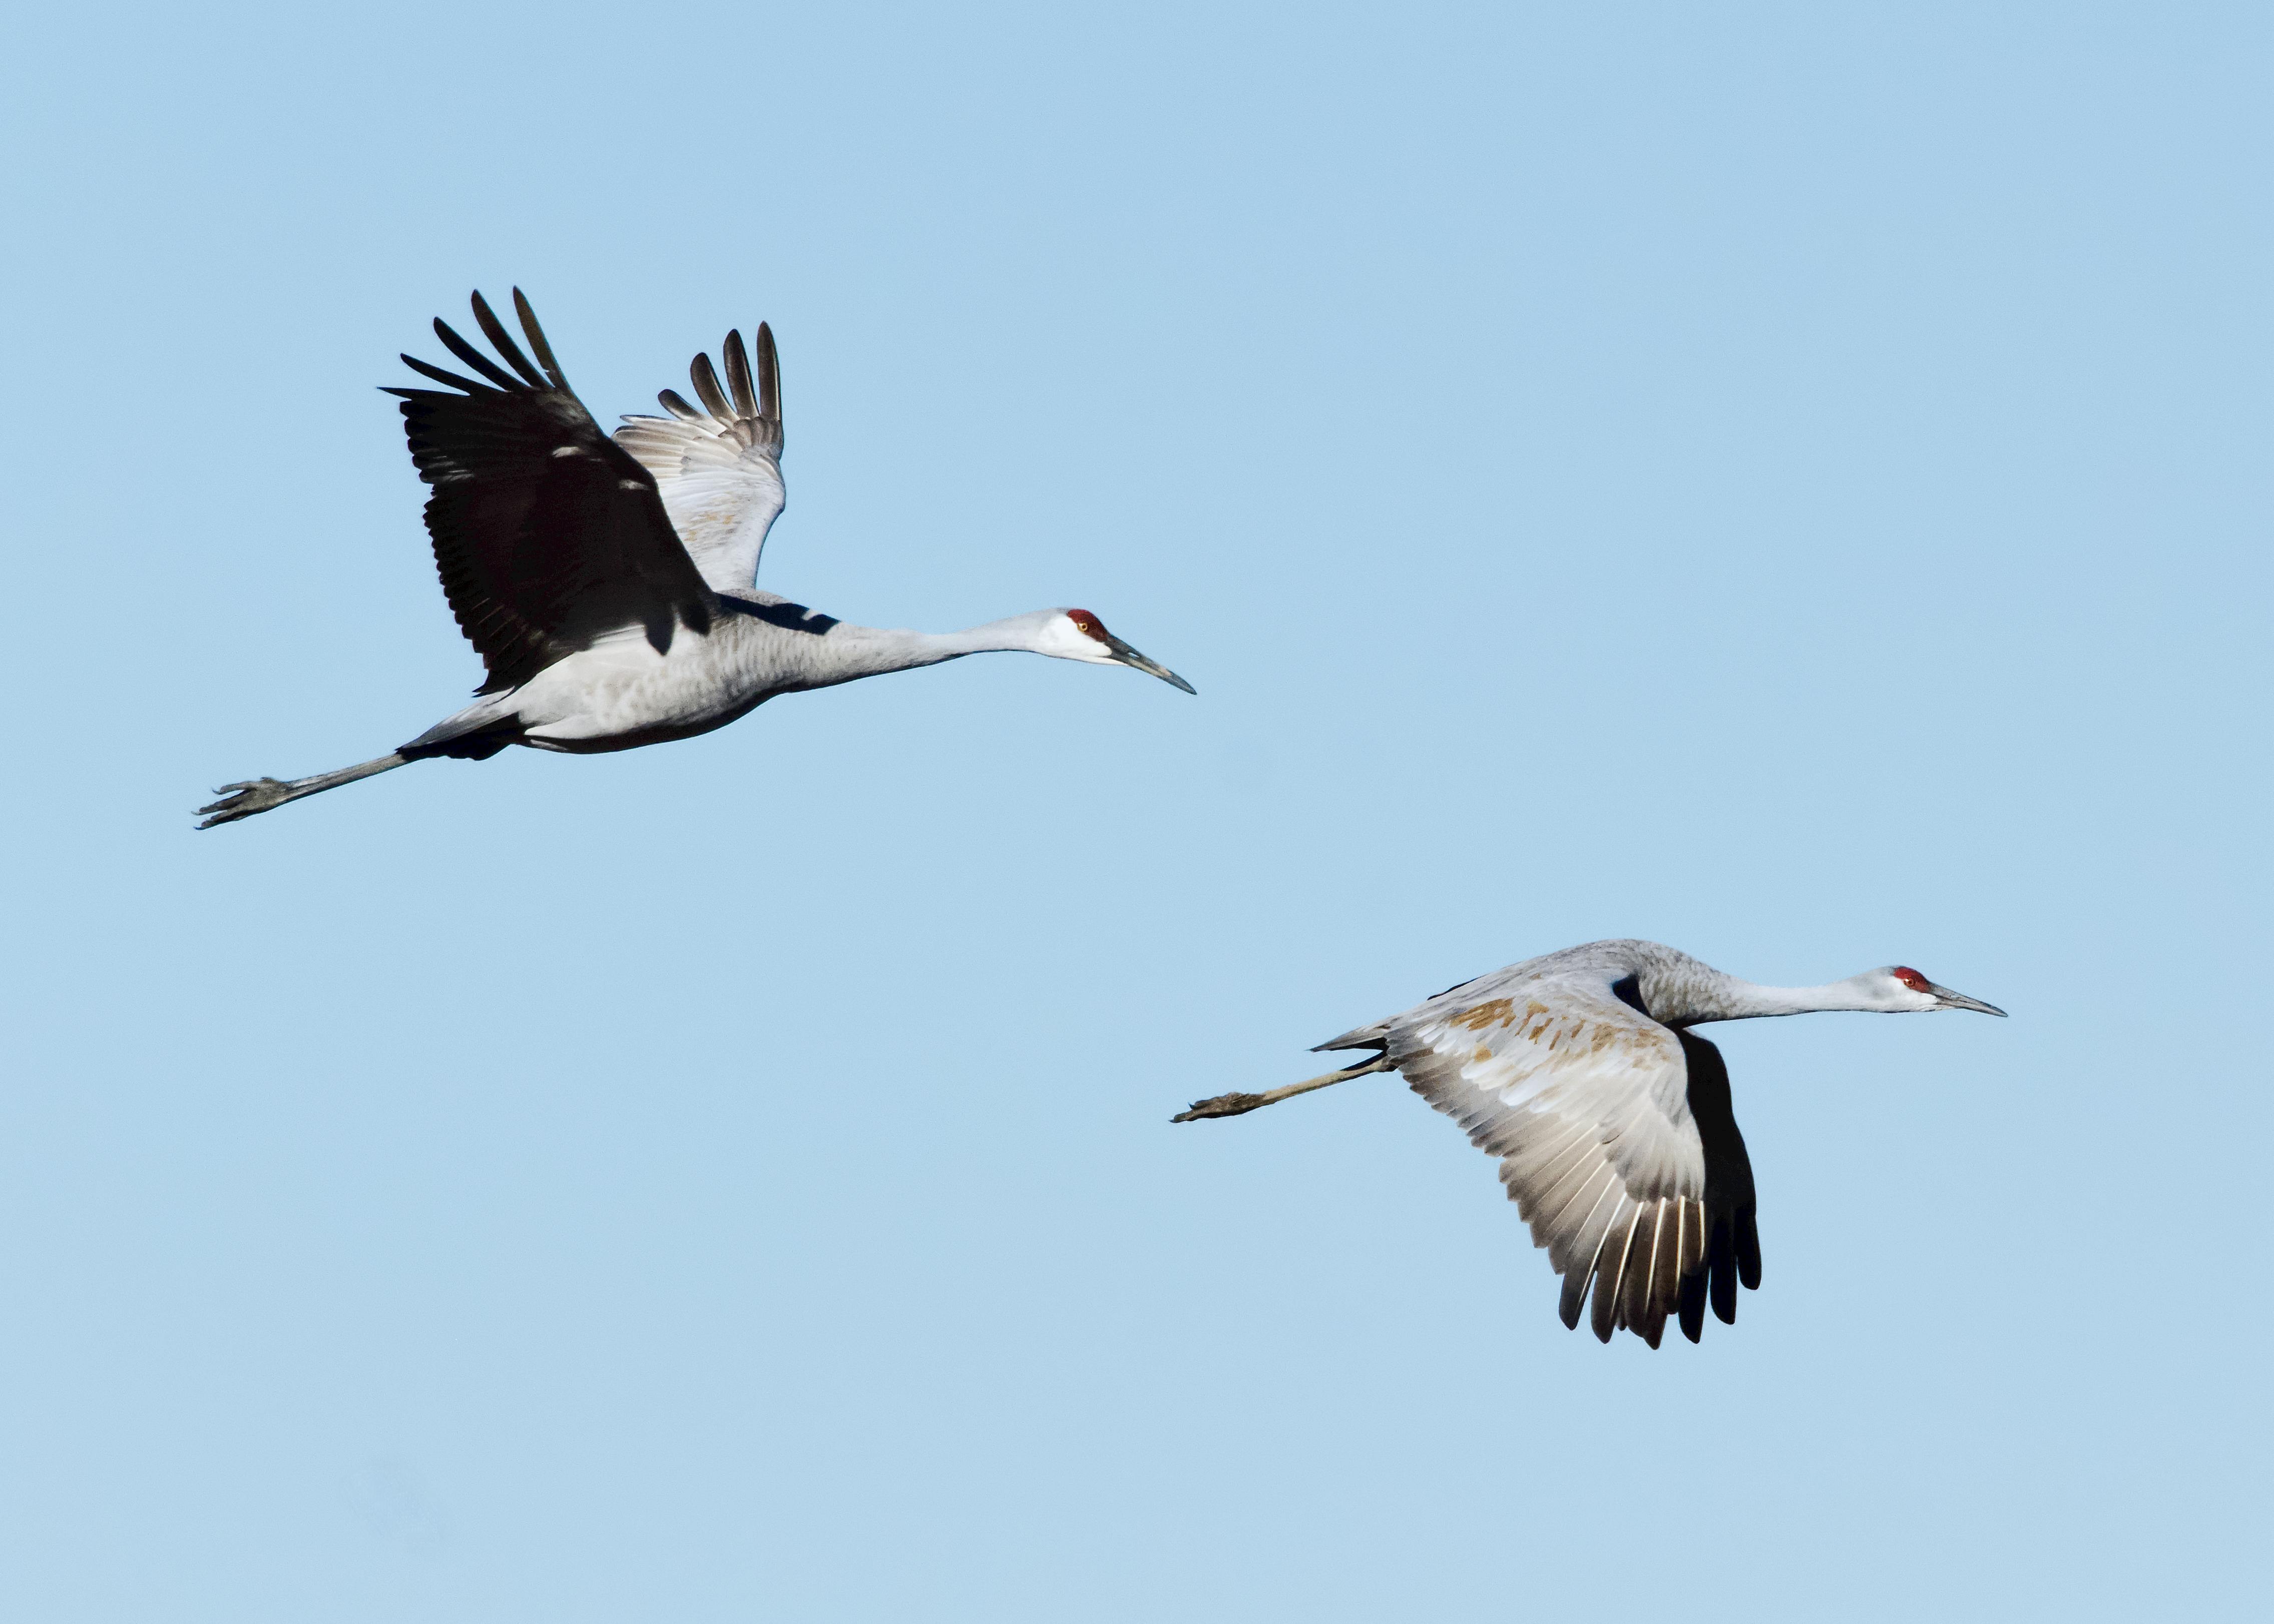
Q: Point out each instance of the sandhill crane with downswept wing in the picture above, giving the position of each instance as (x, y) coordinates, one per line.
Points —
(608, 584)
(1610, 1117)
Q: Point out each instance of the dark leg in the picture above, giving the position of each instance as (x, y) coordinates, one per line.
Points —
(266, 795)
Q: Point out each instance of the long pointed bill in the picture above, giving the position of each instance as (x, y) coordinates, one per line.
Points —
(1129, 657)
(1945, 999)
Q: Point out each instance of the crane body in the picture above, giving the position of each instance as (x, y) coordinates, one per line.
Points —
(621, 693)
(1581, 1071)
(608, 583)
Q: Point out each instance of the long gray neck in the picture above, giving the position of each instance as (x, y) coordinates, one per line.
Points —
(849, 651)
(1692, 997)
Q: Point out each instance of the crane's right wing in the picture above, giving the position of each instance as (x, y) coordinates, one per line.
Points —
(1614, 1138)
(719, 469)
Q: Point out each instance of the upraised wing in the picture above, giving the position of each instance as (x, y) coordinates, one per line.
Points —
(719, 469)
(548, 536)
(1615, 1139)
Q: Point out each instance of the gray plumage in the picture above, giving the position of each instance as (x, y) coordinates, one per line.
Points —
(1611, 1118)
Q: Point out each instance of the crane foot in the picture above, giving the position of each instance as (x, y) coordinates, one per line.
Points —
(243, 799)
(1222, 1105)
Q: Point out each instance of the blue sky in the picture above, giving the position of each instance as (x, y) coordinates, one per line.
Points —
(1789, 482)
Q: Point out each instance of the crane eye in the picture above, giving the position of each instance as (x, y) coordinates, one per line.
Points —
(1086, 623)
(1910, 978)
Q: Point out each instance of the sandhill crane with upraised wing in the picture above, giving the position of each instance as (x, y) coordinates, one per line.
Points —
(1610, 1117)
(608, 584)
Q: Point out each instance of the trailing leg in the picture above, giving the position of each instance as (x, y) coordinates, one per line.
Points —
(1239, 1104)
(266, 795)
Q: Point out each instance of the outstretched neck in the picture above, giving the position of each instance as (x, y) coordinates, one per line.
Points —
(1692, 1000)
(871, 651)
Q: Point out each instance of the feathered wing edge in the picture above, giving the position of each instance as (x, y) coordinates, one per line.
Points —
(550, 378)
(718, 465)
(736, 405)
(1647, 1251)
(546, 533)
(1730, 1206)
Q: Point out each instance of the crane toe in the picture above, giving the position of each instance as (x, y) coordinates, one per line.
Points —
(1221, 1105)
(243, 799)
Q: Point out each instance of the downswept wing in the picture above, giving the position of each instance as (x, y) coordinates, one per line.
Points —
(719, 469)
(1615, 1139)
(547, 535)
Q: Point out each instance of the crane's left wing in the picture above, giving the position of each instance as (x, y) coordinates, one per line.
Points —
(547, 536)
(719, 469)
(1614, 1138)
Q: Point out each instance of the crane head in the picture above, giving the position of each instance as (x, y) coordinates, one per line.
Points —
(1905, 988)
(1078, 635)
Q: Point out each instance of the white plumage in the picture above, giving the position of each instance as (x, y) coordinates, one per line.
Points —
(609, 585)
(719, 471)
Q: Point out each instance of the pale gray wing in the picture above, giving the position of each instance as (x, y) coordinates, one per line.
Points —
(1594, 1110)
(718, 469)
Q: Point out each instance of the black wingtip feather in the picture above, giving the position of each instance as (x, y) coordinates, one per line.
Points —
(429, 370)
(1721, 1264)
(707, 390)
(738, 374)
(769, 375)
(1693, 1304)
(521, 307)
(472, 357)
(1749, 1250)
(494, 331)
